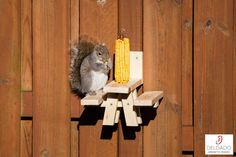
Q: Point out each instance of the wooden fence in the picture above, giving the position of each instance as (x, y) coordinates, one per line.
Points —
(189, 53)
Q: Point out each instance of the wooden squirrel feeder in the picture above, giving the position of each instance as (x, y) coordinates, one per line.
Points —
(116, 96)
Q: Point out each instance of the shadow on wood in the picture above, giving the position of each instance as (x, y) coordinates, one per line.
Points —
(91, 115)
(128, 132)
(107, 131)
(148, 114)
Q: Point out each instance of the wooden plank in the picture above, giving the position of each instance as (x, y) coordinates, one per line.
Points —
(110, 112)
(129, 112)
(10, 78)
(114, 87)
(75, 101)
(74, 36)
(130, 19)
(26, 45)
(187, 73)
(75, 106)
(51, 112)
(117, 117)
(93, 100)
(234, 78)
(74, 146)
(74, 21)
(187, 138)
(148, 98)
(136, 65)
(187, 155)
(98, 21)
(213, 70)
(26, 138)
(26, 104)
(162, 64)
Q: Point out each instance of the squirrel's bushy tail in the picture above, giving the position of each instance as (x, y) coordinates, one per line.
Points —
(78, 52)
(74, 71)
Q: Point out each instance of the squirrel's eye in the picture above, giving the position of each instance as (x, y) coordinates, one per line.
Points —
(99, 53)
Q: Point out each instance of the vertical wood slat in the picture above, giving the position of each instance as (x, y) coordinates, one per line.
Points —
(187, 22)
(162, 64)
(74, 36)
(74, 101)
(51, 134)
(187, 138)
(74, 147)
(10, 78)
(234, 77)
(99, 22)
(26, 104)
(213, 75)
(26, 45)
(130, 19)
(26, 138)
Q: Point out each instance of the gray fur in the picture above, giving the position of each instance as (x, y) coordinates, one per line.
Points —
(87, 58)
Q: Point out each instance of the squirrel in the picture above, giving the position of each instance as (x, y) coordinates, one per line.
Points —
(90, 66)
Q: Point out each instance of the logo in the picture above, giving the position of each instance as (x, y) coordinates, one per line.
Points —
(219, 144)
(219, 139)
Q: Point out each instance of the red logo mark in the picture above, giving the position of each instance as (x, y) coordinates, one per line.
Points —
(219, 139)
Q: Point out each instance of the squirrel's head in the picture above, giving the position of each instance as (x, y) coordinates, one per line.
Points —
(102, 58)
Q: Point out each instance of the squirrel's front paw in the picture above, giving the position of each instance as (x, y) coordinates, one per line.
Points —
(92, 93)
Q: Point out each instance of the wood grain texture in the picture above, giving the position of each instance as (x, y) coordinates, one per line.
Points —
(26, 104)
(131, 20)
(162, 64)
(187, 73)
(74, 20)
(51, 111)
(187, 138)
(26, 45)
(74, 146)
(74, 37)
(10, 78)
(213, 70)
(26, 138)
(99, 22)
(234, 77)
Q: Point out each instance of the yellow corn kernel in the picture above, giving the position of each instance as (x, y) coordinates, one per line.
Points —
(127, 59)
(117, 60)
(122, 60)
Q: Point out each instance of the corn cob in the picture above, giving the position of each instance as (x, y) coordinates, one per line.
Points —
(122, 60)
(127, 59)
(117, 60)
